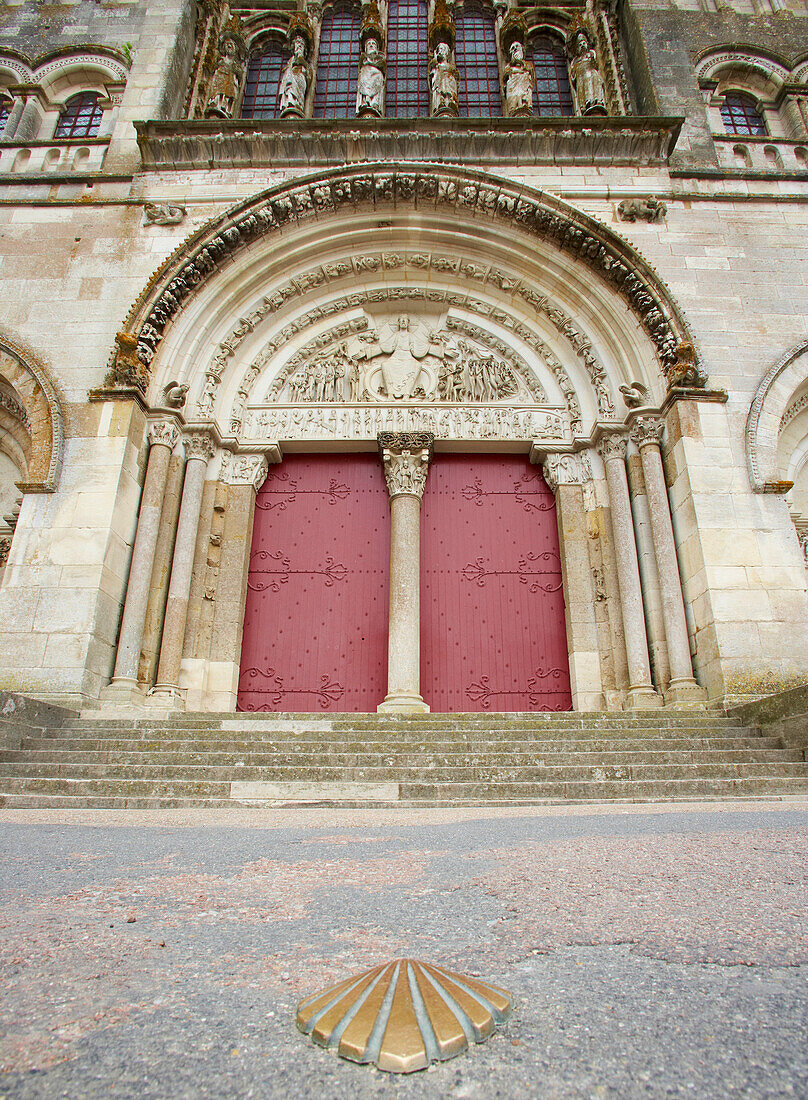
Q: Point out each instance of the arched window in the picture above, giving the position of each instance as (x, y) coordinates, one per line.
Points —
(476, 53)
(741, 116)
(263, 77)
(5, 111)
(407, 49)
(80, 118)
(552, 95)
(337, 65)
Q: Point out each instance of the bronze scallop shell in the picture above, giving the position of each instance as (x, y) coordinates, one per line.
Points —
(403, 1015)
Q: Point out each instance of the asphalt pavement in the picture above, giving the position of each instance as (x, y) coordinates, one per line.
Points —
(652, 951)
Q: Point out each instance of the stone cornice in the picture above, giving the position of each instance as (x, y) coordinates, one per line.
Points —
(240, 143)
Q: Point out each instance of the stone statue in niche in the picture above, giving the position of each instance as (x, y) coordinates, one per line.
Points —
(443, 82)
(519, 78)
(370, 82)
(295, 80)
(590, 91)
(225, 84)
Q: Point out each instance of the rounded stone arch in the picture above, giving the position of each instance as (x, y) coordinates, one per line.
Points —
(32, 418)
(541, 246)
(736, 68)
(68, 70)
(774, 395)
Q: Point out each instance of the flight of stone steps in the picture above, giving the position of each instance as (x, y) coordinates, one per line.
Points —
(360, 760)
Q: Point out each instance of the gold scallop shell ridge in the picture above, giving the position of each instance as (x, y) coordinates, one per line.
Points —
(403, 1015)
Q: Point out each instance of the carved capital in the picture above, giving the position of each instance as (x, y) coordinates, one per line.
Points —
(646, 430)
(612, 446)
(245, 470)
(562, 469)
(198, 445)
(164, 432)
(406, 458)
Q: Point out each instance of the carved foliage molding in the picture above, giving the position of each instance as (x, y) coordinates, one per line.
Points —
(439, 188)
(42, 414)
(647, 431)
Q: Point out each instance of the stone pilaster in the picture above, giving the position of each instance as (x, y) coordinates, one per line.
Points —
(565, 475)
(243, 474)
(646, 432)
(406, 458)
(163, 437)
(198, 451)
(641, 693)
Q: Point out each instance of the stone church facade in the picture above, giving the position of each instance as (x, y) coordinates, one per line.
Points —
(403, 355)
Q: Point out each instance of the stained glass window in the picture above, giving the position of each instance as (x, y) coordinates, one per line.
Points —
(476, 53)
(741, 116)
(337, 65)
(407, 52)
(263, 77)
(80, 118)
(552, 95)
(5, 111)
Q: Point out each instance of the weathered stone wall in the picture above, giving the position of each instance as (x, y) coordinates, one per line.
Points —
(35, 28)
(663, 40)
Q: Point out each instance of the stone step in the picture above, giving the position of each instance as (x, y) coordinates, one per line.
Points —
(557, 755)
(440, 794)
(182, 776)
(574, 739)
(489, 723)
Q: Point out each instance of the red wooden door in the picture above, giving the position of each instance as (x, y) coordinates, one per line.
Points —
(315, 624)
(493, 635)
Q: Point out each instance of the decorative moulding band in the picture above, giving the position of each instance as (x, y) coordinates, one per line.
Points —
(443, 188)
(298, 142)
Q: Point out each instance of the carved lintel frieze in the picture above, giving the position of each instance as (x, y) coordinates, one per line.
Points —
(245, 470)
(647, 430)
(164, 433)
(406, 458)
(198, 445)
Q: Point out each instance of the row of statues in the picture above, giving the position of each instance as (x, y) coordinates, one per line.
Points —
(518, 76)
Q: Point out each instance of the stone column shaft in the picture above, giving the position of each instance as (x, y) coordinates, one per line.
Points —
(640, 691)
(199, 449)
(163, 436)
(647, 434)
(406, 461)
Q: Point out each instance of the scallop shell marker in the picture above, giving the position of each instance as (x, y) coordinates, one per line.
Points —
(403, 1015)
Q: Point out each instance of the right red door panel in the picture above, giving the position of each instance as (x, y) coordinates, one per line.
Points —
(493, 635)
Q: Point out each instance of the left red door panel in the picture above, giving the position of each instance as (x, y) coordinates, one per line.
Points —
(315, 623)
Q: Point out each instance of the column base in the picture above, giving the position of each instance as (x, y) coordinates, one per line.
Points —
(402, 702)
(685, 694)
(166, 697)
(643, 698)
(122, 692)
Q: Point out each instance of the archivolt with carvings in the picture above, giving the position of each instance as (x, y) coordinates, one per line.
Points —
(428, 187)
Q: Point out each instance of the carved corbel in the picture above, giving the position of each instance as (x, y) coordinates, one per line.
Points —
(127, 371)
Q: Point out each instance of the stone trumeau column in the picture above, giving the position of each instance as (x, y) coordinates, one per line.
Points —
(406, 458)
(641, 693)
(163, 437)
(198, 450)
(646, 433)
